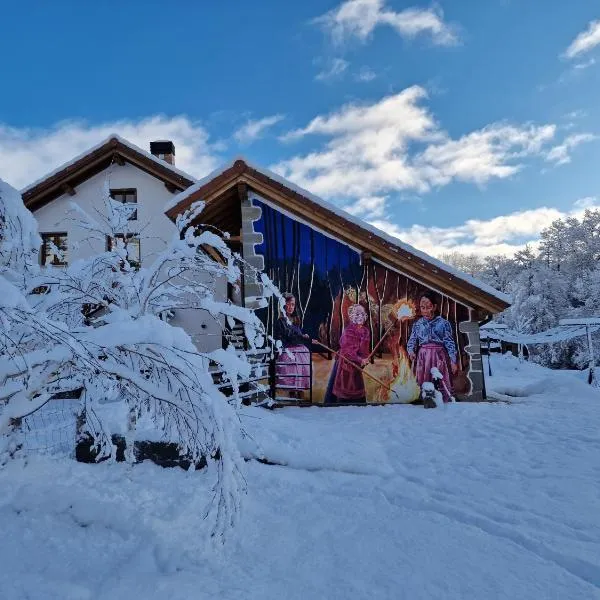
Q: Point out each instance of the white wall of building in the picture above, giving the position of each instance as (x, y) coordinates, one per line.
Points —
(155, 230)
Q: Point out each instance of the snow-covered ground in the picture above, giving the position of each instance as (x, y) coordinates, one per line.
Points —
(477, 501)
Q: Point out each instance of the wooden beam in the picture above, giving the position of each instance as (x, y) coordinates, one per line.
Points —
(233, 239)
(216, 212)
(156, 169)
(223, 212)
(68, 189)
(119, 159)
(242, 191)
(53, 190)
(213, 253)
(224, 186)
(329, 222)
(171, 187)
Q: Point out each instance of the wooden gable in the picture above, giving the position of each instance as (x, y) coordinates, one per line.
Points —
(224, 192)
(114, 150)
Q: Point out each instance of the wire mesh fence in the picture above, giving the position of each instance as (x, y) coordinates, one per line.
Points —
(52, 429)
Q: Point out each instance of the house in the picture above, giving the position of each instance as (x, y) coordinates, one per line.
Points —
(329, 260)
(146, 181)
(333, 264)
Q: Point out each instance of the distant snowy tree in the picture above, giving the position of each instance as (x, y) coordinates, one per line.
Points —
(558, 279)
(96, 326)
(497, 270)
(472, 264)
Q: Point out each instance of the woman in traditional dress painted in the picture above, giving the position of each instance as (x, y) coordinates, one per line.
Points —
(346, 383)
(293, 364)
(431, 344)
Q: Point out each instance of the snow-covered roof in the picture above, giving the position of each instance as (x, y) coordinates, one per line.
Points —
(200, 183)
(163, 164)
(580, 321)
(484, 287)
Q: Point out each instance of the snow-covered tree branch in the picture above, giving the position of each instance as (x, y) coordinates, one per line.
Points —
(97, 325)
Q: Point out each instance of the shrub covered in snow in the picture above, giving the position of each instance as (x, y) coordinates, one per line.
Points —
(96, 326)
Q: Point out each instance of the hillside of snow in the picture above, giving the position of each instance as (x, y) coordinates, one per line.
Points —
(485, 501)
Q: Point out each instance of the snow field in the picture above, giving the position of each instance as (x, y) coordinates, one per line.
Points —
(486, 501)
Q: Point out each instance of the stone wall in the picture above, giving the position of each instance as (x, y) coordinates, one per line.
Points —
(253, 289)
(473, 349)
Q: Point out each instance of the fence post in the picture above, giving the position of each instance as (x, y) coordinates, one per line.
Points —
(591, 376)
(272, 385)
(310, 380)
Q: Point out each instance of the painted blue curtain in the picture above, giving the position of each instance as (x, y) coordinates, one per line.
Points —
(306, 263)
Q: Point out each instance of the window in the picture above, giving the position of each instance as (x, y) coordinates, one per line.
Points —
(131, 243)
(41, 289)
(54, 249)
(127, 196)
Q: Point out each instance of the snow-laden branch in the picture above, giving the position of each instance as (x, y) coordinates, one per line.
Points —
(95, 326)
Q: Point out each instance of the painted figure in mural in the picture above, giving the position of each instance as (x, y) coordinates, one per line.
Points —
(293, 364)
(346, 383)
(431, 344)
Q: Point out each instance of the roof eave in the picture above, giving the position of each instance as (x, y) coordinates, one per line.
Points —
(49, 188)
(208, 187)
(418, 264)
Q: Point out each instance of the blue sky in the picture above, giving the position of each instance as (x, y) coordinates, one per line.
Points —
(466, 125)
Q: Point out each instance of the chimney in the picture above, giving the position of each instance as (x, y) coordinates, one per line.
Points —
(163, 149)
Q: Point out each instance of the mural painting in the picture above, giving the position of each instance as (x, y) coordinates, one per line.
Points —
(353, 330)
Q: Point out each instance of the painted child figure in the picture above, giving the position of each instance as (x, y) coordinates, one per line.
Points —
(431, 346)
(348, 382)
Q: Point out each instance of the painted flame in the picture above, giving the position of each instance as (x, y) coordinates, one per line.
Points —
(404, 309)
(401, 380)
(405, 384)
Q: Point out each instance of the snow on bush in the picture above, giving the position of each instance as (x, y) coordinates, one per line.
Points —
(98, 326)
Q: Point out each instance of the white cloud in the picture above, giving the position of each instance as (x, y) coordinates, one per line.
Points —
(254, 129)
(585, 41)
(575, 114)
(505, 234)
(358, 19)
(28, 154)
(572, 117)
(395, 144)
(369, 207)
(586, 203)
(488, 153)
(559, 154)
(365, 75)
(586, 64)
(334, 70)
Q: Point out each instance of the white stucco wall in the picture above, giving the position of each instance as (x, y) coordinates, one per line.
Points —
(154, 227)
